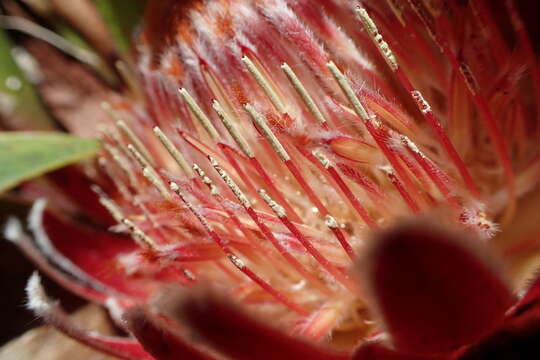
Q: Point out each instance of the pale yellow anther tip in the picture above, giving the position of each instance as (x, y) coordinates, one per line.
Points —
(105, 105)
(174, 186)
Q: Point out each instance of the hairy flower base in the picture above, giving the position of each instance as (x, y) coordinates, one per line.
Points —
(261, 147)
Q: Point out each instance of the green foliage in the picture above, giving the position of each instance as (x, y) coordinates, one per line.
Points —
(25, 155)
(18, 99)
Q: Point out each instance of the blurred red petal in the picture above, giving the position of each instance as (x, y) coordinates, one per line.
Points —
(376, 351)
(90, 291)
(241, 337)
(530, 299)
(518, 338)
(85, 252)
(75, 184)
(432, 292)
(159, 341)
(122, 348)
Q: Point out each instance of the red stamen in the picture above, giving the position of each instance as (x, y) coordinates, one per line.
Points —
(275, 191)
(267, 233)
(279, 296)
(490, 30)
(373, 190)
(435, 174)
(481, 103)
(422, 104)
(338, 233)
(220, 201)
(335, 272)
(525, 42)
(349, 195)
(230, 155)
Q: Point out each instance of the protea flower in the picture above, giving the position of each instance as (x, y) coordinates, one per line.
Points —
(314, 163)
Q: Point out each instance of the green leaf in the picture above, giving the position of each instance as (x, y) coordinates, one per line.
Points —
(26, 155)
(122, 17)
(19, 102)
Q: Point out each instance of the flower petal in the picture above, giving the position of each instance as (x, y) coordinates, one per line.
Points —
(529, 299)
(517, 339)
(160, 341)
(433, 293)
(239, 336)
(87, 290)
(87, 253)
(376, 351)
(51, 312)
(72, 181)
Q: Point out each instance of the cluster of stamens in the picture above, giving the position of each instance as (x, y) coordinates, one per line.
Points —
(270, 150)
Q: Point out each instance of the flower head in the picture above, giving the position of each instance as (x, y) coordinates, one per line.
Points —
(260, 145)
